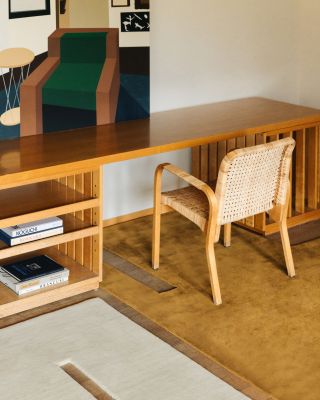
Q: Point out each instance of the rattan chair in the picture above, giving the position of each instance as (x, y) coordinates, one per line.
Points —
(250, 181)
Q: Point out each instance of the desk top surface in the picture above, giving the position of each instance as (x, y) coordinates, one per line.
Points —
(164, 131)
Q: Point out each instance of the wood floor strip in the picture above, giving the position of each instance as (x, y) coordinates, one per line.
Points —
(136, 273)
(84, 381)
(213, 366)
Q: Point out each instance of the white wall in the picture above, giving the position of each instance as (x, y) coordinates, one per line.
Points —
(309, 53)
(128, 185)
(31, 32)
(207, 51)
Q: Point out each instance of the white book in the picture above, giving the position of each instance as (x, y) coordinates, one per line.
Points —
(30, 238)
(33, 284)
(33, 227)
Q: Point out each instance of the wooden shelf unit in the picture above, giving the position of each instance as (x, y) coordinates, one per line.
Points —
(77, 200)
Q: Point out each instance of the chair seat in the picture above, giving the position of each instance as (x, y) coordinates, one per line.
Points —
(191, 203)
(73, 85)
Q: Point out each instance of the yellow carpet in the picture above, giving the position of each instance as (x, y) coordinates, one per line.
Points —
(268, 327)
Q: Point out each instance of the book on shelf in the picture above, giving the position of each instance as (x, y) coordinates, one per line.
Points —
(14, 241)
(31, 285)
(33, 227)
(32, 268)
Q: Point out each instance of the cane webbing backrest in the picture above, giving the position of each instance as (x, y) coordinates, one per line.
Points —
(253, 180)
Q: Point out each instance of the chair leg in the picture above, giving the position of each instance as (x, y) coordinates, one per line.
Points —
(286, 247)
(217, 234)
(227, 235)
(212, 266)
(156, 238)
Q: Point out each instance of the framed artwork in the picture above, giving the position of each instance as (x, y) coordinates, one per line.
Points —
(28, 8)
(120, 3)
(135, 22)
(142, 4)
(60, 103)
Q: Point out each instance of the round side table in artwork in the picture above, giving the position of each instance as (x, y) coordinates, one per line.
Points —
(18, 61)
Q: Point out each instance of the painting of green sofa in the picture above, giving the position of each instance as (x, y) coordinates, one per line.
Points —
(90, 74)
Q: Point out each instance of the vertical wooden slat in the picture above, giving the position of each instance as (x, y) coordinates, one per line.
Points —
(79, 186)
(87, 242)
(97, 240)
(231, 145)
(63, 246)
(196, 161)
(241, 142)
(300, 171)
(222, 151)
(312, 167)
(261, 138)
(71, 245)
(204, 159)
(272, 138)
(250, 140)
(213, 161)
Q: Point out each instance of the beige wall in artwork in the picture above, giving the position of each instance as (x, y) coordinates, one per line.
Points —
(86, 14)
(64, 19)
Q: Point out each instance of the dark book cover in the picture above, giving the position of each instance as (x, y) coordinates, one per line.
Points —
(32, 268)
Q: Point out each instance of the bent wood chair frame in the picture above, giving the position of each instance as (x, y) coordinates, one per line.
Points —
(274, 199)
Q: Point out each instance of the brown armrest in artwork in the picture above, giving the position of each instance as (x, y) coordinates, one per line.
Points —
(109, 83)
(31, 97)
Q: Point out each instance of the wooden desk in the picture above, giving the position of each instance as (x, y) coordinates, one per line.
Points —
(61, 174)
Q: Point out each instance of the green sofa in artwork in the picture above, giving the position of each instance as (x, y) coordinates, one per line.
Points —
(80, 77)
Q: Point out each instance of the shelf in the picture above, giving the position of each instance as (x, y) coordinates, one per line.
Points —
(40, 200)
(74, 229)
(77, 199)
(80, 280)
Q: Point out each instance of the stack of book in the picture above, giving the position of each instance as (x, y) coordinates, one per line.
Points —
(33, 274)
(24, 233)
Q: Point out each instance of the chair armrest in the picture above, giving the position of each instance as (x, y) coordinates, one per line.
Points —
(31, 97)
(212, 229)
(108, 88)
(108, 92)
(192, 180)
(40, 75)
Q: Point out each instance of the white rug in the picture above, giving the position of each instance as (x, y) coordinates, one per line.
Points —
(124, 359)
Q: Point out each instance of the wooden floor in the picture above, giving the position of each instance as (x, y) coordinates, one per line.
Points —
(214, 367)
(136, 273)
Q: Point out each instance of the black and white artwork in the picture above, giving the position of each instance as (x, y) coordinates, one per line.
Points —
(28, 8)
(135, 22)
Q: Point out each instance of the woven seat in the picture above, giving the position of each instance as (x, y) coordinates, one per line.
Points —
(190, 202)
(250, 181)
